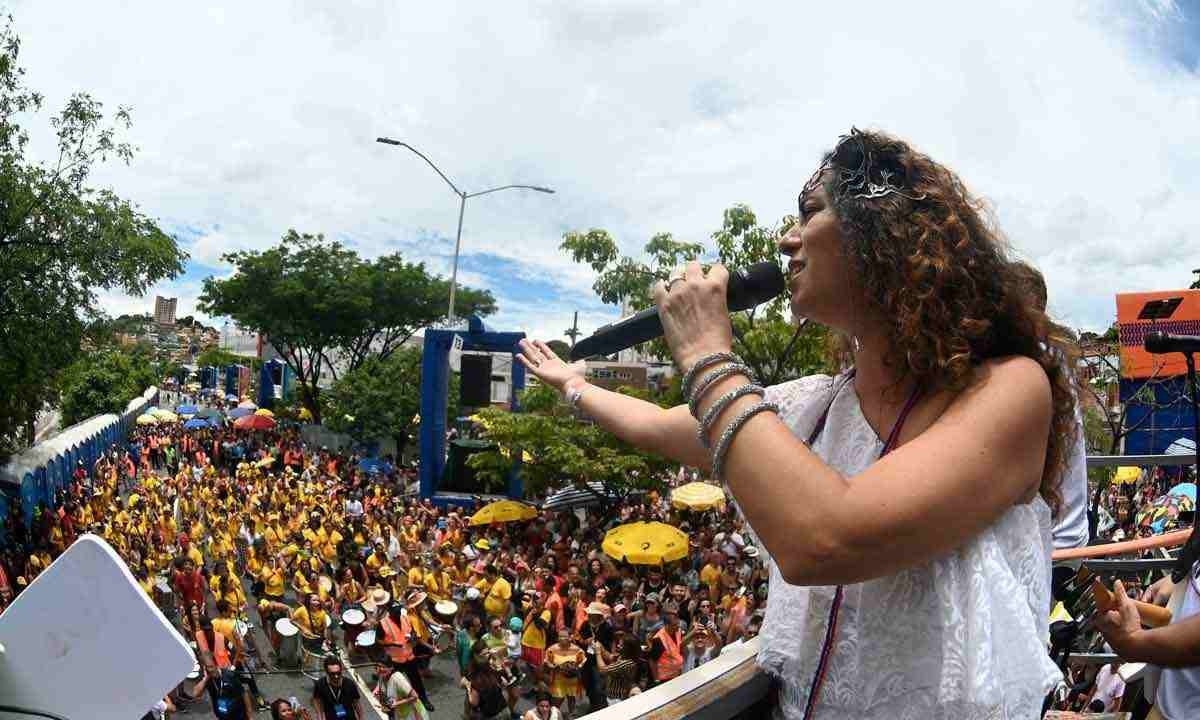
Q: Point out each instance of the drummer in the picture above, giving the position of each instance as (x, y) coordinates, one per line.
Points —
(313, 621)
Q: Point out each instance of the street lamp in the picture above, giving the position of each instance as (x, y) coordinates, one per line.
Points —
(462, 207)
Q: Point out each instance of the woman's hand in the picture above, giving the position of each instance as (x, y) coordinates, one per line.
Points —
(1160, 592)
(549, 367)
(694, 313)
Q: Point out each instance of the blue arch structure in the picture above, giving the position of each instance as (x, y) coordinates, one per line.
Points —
(435, 385)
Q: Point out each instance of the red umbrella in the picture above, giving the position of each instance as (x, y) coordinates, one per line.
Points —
(254, 422)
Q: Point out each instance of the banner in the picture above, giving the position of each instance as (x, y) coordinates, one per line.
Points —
(1183, 319)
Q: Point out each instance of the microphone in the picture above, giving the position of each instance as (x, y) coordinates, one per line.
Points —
(1160, 343)
(748, 287)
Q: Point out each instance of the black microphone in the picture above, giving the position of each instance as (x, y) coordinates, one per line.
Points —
(749, 287)
(1160, 343)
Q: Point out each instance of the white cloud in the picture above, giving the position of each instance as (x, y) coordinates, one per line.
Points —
(256, 117)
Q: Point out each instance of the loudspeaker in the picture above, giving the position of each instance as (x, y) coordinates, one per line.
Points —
(475, 388)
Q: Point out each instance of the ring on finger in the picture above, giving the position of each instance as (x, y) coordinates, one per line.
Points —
(672, 281)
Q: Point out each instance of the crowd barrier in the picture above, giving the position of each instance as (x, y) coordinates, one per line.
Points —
(36, 475)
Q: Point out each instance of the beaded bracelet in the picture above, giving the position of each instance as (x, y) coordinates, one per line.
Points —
(719, 406)
(706, 382)
(690, 376)
(718, 456)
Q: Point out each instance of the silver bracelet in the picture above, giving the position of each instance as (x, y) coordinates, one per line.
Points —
(690, 376)
(718, 456)
(574, 396)
(719, 406)
(706, 382)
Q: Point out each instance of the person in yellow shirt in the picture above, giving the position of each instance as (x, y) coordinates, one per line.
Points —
(437, 581)
(303, 582)
(273, 579)
(189, 550)
(498, 596)
(710, 576)
(377, 560)
(313, 621)
(227, 587)
(416, 576)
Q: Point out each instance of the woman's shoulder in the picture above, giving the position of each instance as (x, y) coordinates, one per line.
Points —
(795, 397)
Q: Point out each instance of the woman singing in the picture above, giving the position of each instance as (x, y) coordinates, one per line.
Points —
(906, 503)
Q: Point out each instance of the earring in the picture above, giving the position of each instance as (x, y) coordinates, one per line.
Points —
(857, 343)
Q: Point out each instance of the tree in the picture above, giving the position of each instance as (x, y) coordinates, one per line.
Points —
(352, 309)
(219, 358)
(558, 448)
(104, 382)
(61, 240)
(380, 398)
(775, 348)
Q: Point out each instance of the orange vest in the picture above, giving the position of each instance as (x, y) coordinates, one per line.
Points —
(395, 639)
(670, 663)
(220, 653)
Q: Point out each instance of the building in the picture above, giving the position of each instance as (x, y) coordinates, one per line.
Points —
(164, 310)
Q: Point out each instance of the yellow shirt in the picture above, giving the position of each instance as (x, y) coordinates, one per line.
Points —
(234, 595)
(307, 623)
(195, 555)
(225, 626)
(301, 583)
(374, 562)
(273, 581)
(496, 602)
(415, 576)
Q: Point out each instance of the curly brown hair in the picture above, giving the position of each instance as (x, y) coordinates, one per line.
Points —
(933, 262)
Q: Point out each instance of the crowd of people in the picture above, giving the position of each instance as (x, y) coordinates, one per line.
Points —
(227, 530)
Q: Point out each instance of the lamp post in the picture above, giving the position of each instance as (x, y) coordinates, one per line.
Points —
(462, 207)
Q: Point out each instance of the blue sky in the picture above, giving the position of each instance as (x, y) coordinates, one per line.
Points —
(1079, 122)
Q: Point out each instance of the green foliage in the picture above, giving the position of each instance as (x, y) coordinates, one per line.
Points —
(558, 448)
(218, 357)
(380, 398)
(315, 299)
(774, 347)
(61, 240)
(104, 382)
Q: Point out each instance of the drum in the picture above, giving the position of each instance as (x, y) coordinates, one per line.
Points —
(289, 645)
(445, 611)
(365, 639)
(353, 617)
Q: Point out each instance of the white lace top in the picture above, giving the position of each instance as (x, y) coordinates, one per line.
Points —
(963, 636)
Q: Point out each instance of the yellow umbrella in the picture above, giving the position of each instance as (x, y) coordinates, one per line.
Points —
(698, 496)
(646, 543)
(165, 415)
(264, 412)
(146, 419)
(1126, 475)
(503, 511)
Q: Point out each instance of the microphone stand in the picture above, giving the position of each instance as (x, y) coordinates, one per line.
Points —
(1191, 549)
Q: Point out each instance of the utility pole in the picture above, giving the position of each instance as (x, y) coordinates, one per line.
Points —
(574, 331)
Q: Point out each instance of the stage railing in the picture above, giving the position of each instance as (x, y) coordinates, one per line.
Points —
(732, 686)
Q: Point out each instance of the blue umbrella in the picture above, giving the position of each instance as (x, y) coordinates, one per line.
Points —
(231, 397)
(240, 412)
(372, 465)
(1186, 489)
(187, 409)
(195, 424)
